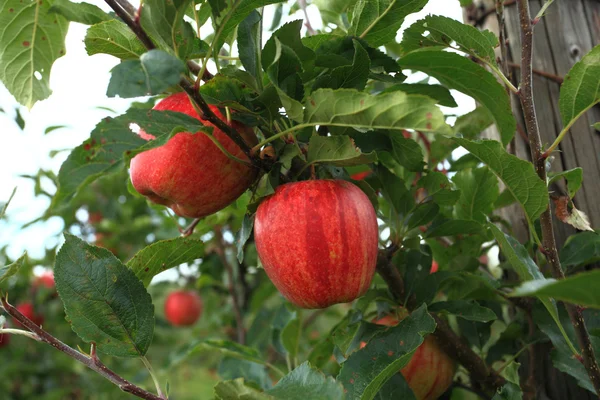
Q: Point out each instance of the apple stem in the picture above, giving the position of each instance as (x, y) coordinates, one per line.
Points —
(190, 228)
(91, 362)
(539, 162)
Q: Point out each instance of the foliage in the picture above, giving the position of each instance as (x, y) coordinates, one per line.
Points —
(342, 103)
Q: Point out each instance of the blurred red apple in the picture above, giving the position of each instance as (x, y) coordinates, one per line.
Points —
(430, 371)
(95, 217)
(190, 174)
(434, 267)
(28, 311)
(317, 241)
(45, 280)
(359, 176)
(183, 308)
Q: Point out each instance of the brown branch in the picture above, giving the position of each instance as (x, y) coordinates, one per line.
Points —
(220, 250)
(555, 78)
(130, 22)
(452, 344)
(548, 241)
(92, 363)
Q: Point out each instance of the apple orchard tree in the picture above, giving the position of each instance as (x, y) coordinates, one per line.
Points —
(299, 190)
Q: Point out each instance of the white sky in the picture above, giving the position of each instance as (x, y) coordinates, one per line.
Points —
(79, 84)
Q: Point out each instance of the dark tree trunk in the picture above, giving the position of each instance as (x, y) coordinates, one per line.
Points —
(568, 31)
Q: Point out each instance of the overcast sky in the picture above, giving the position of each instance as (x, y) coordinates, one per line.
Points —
(79, 83)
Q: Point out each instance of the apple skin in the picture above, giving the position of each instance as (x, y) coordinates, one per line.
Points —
(28, 311)
(183, 308)
(189, 173)
(430, 371)
(45, 280)
(434, 267)
(317, 241)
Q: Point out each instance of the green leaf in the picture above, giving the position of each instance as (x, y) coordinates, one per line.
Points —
(352, 76)
(236, 14)
(253, 373)
(332, 10)
(527, 270)
(574, 178)
(290, 337)
(581, 249)
(580, 90)
(509, 391)
(394, 111)
(237, 390)
(518, 175)
(448, 32)
(84, 13)
(580, 289)
(114, 38)
(455, 227)
(5, 205)
(288, 35)
(160, 256)
(243, 235)
(153, 73)
(283, 73)
(336, 150)
(163, 20)
(407, 152)
(469, 310)
(378, 21)
(249, 44)
(31, 39)
(457, 72)
(478, 192)
(396, 388)
(111, 142)
(395, 191)
(9, 270)
(437, 92)
(229, 349)
(423, 214)
(304, 382)
(104, 301)
(367, 370)
(439, 188)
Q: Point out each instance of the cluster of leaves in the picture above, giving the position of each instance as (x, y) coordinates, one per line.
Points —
(338, 103)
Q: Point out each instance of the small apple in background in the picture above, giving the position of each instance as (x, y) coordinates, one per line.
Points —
(359, 176)
(434, 267)
(189, 173)
(28, 311)
(430, 371)
(95, 217)
(45, 280)
(317, 241)
(183, 308)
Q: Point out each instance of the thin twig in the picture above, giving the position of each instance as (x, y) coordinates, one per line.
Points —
(452, 344)
(92, 363)
(122, 13)
(241, 333)
(556, 78)
(190, 228)
(548, 241)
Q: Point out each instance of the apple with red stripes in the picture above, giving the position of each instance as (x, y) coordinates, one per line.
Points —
(317, 241)
(189, 173)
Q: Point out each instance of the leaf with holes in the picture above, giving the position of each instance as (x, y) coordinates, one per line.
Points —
(31, 39)
(104, 301)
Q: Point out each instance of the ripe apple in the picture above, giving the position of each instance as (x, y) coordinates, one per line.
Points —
(359, 176)
(95, 217)
(189, 173)
(45, 280)
(183, 308)
(317, 241)
(434, 267)
(28, 311)
(430, 371)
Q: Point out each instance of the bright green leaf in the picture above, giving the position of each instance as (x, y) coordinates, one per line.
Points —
(304, 382)
(9, 270)
(336, 150)
(574, 178)
(83, 12)
(478, 192)
(115, 38)
(237, 390)
(437, 92)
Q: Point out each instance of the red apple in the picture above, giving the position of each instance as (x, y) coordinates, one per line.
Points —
(434, 267)
(430, 371)
(95, 218)
(359, 176)
(28, 311)
(183, 308)
(190, 174)
(45, 280)
(317, 241)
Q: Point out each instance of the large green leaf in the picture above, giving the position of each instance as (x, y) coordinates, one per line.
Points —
(304, 382)
(249, 44)
(580, 90)
(478, 192)
(288, 35)
(378, 21)
(104, 301)
(111, 142)
(394, 111)
(163, 20)
(352, 76)
(336, 150)
(160, 256)
(115, 38)
(438, 92)
(407, 152)
(284, 74)
(460, 73)
(580, 289)
(518, 175)
(31, 39)
(152, 74)
(83, 12)
(439, 188)
(367, 370)
(9, 270)
(445, 32)
(580, 249)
